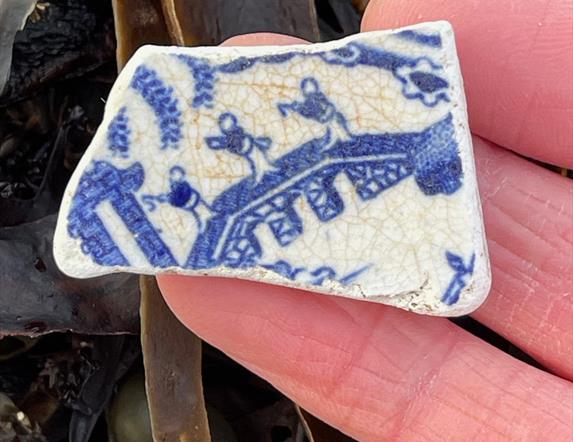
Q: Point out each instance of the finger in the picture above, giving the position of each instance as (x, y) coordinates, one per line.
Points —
(529, 222)
(361, 366)
(517, 64)
(375, 372)
(528, 214)
(262, 39)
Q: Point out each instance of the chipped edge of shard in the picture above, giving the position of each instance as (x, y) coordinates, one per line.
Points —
(480, 282)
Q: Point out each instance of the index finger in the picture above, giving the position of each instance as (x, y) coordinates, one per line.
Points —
(517, 63)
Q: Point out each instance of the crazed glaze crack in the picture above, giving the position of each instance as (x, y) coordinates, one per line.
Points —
(343, 168)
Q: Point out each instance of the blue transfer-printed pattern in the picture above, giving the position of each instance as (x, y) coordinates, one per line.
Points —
(420, 82)
(373, 162)
(458, 282)
(422, 79)
(118, 134)
(316, 277)
(181, 194)
(165, 106)
(316, 106)
(432, 40)
(236, 140)
(204, 76)
(104, 182)
(437, 165)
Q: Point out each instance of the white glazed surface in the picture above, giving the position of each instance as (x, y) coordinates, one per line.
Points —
(396, 240)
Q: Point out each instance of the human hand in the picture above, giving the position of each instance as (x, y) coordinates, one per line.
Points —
(379, 373)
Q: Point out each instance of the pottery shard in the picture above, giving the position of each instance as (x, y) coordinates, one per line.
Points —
(344, 168)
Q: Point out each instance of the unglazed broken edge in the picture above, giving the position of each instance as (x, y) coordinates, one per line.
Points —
(343, 168)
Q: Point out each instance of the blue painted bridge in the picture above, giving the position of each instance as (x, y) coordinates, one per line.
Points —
(372, 163)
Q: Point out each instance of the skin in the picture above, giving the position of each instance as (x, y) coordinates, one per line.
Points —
(379, 373)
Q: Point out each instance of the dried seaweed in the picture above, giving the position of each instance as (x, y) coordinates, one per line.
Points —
(137, 22)
(275, 422)
(13, 15)
(337, 19)
(12, 346)
(15, 425)
(65, 381)
(37, 298)
(198, 22)
(67, 39)
(110, 358)
(42, 139)
(319, 431)
(360, 5)
(172, 359)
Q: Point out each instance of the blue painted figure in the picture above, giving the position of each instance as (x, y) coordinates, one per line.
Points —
(316, 106)
(237, 141)
(181, 195)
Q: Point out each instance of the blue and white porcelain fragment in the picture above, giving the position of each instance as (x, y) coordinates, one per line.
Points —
(344, 168)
